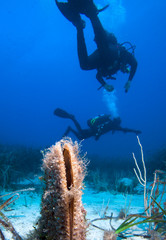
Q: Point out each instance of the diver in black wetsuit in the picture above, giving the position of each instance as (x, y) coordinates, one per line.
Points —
(97, 126)
(110, 56)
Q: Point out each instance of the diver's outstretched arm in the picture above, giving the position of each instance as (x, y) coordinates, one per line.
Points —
(126, 130)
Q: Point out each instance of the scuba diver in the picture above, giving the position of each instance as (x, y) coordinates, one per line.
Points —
(97, 126)
(110, 56)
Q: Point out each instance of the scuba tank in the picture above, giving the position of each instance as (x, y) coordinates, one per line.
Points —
(131, 47)
(95, 122)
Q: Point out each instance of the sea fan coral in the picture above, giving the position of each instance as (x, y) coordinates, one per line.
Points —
(62, 213)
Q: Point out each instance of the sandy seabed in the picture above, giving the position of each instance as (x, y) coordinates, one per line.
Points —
(25, 211)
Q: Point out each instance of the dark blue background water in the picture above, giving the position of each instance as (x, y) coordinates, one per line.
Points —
(40, 71)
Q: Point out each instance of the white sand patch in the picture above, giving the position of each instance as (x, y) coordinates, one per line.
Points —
(26, 210)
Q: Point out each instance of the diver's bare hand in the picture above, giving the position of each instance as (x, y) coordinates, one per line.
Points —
(127, 86)
(108, 87)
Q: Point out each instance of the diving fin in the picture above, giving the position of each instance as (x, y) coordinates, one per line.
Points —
(89, 9)
(70, 13)
(62, 113)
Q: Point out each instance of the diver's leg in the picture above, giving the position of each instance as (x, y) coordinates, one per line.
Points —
(81, 133)
(82, 50)
(86, 62)
(77, 134)
(90, 10)
(67, 131)
(72, 9)
(76, 123)
(100, 34)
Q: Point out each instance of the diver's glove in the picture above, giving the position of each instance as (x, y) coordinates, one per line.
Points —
(108, 87)
(127, 86)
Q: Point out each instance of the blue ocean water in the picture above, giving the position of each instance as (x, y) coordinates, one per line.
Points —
(40, 72)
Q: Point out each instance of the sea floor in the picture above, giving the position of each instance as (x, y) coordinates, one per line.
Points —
(25, 211)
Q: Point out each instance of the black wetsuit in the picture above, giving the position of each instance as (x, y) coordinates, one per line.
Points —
(108, 57)
(99, 129)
